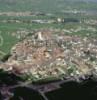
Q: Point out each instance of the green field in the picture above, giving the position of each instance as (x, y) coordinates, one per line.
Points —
(46, 5)
(8, 42)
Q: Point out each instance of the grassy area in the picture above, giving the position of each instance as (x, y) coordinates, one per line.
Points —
(45, 5)
(8, 42)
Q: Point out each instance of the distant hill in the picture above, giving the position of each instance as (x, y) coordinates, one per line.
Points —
(46, 5)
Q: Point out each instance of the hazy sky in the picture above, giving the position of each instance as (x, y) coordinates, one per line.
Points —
(83, 0)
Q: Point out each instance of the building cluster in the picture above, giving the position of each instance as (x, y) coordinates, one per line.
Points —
(47, 55)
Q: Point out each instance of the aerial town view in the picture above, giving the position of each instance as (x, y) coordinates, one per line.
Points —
(45, 45)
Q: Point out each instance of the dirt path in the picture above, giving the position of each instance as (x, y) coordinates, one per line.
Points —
(1, 40)
(1, 52)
